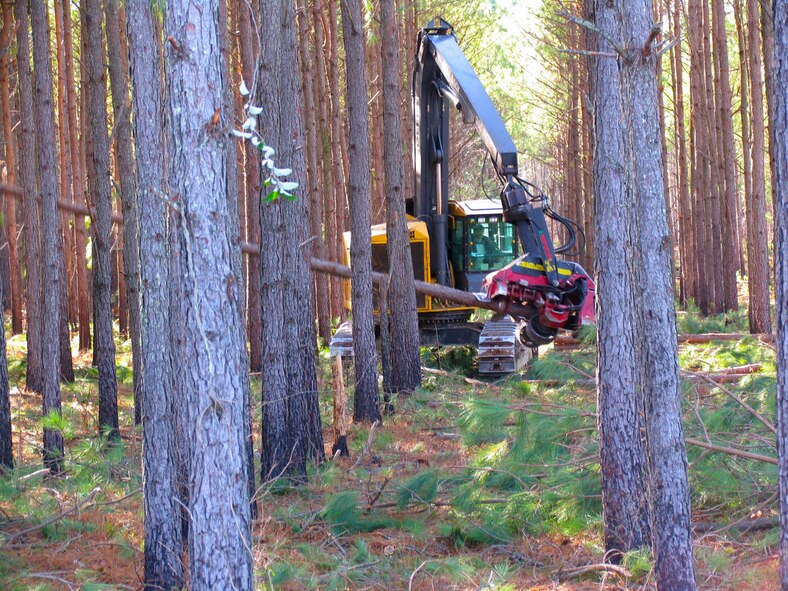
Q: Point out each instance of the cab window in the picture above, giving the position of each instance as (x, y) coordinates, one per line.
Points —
(491, 243)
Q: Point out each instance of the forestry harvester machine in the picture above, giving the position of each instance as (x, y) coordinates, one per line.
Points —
(474, 245)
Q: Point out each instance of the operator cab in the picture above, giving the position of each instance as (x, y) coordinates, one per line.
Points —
(480, 241)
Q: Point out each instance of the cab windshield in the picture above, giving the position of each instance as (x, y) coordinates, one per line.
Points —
(491, 243)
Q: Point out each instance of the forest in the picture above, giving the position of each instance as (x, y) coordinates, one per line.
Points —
(394, 294)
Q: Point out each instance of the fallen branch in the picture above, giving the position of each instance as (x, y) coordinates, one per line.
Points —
(744, 405)
(591, 568)
(55, 518)
(732, 451)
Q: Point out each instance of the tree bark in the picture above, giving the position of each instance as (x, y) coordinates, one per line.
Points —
(10, 161)
(779, 125)
(727, 162)
(163, 562)
(686, 248)
(405, 360)
(249, 50)
(622, 456)
(655, 328)
(78, 178)
(50, 240)
(102, 224)
(758, 256)
(211, 376)
(128, 188)
(291, 420)
(27, 178)
(366, 407)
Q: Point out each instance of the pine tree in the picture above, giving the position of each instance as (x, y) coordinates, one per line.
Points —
(622, 456)
(101, 223)
(27, 177)
(780, 186)
(210, 346)
(51, 277)
(163, 563)
(366, 405)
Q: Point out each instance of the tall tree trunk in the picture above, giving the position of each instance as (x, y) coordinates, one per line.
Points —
(248, 43)
(79, 173)
(405, 361)
(366, 405)
(312, 166)
(779, 125)
(331, 286)
(686, 249)
(50, 227)
(66, 172)
(34, 378)
(714, 189)
(727, 162)
(291, 421)
(101, 223)
(744, 111)
(128, 188)
(339, 202)
(757, 249)
(10, 161)
(234, 201)
(212, 383)
(163, 563)
(655, 330)
(622, 456)
(700, 179)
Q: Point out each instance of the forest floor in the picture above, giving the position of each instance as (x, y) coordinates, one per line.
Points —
(468, 486)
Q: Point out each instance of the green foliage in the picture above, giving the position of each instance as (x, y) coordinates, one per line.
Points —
(639, 563)
(421, 488)
(692, 322)
(57, 422)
